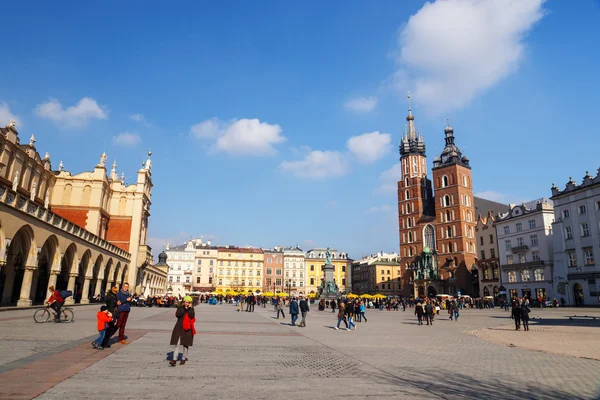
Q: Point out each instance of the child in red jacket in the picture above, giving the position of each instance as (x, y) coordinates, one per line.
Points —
(104, 317)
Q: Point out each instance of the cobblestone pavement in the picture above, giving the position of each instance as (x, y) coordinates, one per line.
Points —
(239, 355)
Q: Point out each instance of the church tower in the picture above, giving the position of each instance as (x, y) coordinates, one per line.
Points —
(455, 216)
(415, 200)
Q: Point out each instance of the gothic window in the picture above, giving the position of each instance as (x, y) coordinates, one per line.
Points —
(449, 232)
(464, 180)
(447, 215)
(444, 181)
(429, 236)
(408, 208)
(409, 223)
(446, 201)
(410, 237)
(407, 195)
(449, 247)
(406, 182)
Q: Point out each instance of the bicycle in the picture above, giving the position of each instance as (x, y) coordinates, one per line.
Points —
(43, 314)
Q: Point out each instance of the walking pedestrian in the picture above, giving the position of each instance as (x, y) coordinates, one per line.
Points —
(279, 306)
(183, 331)
(362, 311)
(111, 304)
(525, 310)
(304, 309)
(516, 313)
(341, 316)
(419, 312)
(350, 315)
(429, 313)
(294, 311)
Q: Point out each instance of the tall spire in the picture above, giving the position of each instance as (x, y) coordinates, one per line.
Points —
(411, 122)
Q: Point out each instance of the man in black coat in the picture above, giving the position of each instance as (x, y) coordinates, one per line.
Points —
(304, 309)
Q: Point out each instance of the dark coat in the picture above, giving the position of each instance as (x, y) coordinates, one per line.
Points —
(294, 307)
(111, 304)
(304, 306)
(185, 338)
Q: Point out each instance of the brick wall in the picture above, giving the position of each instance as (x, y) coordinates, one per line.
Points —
(78, 217)
(118, 232)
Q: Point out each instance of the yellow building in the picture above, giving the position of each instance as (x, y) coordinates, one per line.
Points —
(315, 262)
(239, 268)
(379, 273)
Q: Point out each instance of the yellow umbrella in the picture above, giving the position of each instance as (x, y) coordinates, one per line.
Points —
(267, 294)
(312, 295)
(282, 294)
(231, 293)
(352, 296)
(380, 296)
(366, 296)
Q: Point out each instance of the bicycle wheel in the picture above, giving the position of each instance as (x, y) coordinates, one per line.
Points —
(67, 315)
(41, 315)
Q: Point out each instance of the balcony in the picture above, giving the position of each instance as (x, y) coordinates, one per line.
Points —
(188, 272)
(530, 264)
(520, 249)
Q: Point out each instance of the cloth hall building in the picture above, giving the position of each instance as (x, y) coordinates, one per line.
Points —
(82, 232)
(436, 232)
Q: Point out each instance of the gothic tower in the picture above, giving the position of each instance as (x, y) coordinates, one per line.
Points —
(415, 200)
(455, 216)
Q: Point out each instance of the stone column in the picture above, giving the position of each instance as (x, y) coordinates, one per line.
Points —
(109, 286)
(71, 287)
(86, 290)
(24, 299)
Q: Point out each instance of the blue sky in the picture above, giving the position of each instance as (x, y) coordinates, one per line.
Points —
(249, 106)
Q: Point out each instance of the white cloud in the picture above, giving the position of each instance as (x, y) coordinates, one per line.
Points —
(451, 51)
(389, 178)
(369, 147)
(240, 137)
(380, 209)
(6, 116)
(317, 165)
(74, 116)
(211, 128)
(140, 119)
(127, 139)
(361, 104)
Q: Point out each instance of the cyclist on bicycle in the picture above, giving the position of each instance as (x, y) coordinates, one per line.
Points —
(55, 302)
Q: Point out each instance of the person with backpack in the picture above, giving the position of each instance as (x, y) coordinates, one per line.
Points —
(429, 313)
(55, 302)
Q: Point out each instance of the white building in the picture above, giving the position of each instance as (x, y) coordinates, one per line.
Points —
(577, 241)
(181, 263)
(525, 249)
(203, 278)
(294, 279)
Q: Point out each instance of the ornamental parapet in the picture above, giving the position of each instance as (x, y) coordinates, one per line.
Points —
(23, 204)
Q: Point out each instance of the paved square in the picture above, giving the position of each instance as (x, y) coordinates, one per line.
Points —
(239, 355)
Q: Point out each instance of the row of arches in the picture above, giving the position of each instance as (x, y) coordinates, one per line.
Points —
(27, 271)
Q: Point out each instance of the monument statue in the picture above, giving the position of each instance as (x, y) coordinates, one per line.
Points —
(328, 257)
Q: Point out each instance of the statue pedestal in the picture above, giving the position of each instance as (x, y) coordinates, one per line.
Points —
(327, 295)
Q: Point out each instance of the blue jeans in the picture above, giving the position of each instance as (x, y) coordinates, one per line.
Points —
(351, 323)
(340, 320)
(294, 318)
(101, 337)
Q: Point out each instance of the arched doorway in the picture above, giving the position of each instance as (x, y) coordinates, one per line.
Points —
(66, 264)
(486, 291)
(496, 291)
(96, 284)
(18, 253)
(431, 291)
(421, 291)
(41, 276)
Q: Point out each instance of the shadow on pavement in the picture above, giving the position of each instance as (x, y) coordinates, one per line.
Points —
(459, 386)
(562, 321)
